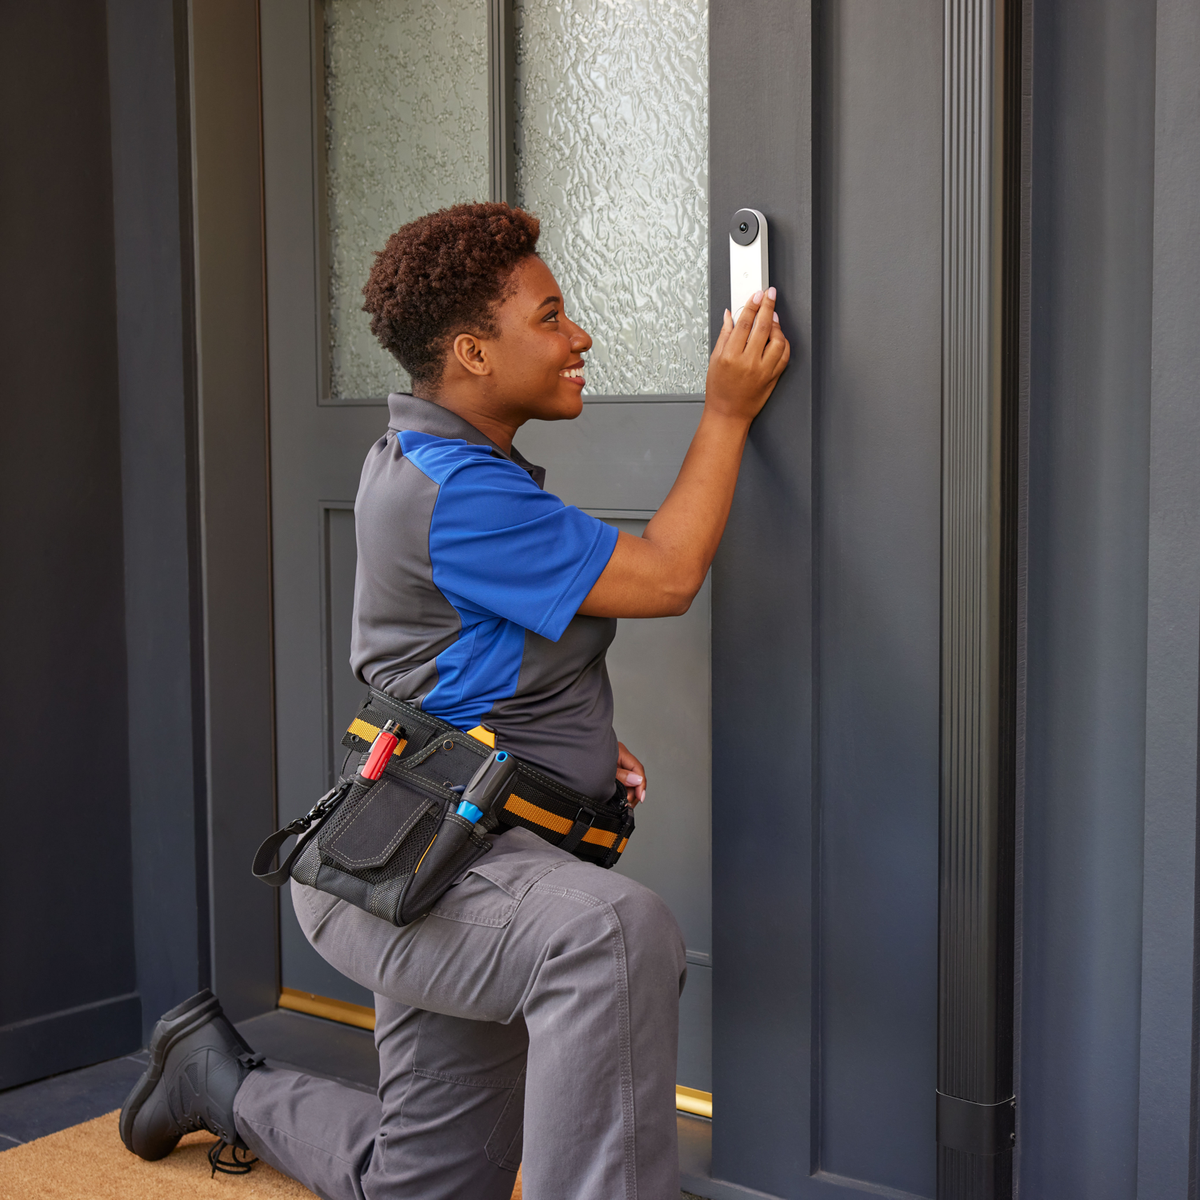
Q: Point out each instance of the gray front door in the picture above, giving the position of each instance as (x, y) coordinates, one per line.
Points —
(374, 114)
(797, 843)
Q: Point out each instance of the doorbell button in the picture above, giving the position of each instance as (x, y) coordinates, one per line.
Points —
(747, 258)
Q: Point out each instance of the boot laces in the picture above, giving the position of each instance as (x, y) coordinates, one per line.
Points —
(236, 1164)
(239, 1161)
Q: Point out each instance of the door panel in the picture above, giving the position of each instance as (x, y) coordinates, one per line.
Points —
(826, 613)
(614, 457)
(329, 706)
(878, 436)
(660, 676)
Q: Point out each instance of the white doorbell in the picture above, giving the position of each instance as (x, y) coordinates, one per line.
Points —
(747, 258)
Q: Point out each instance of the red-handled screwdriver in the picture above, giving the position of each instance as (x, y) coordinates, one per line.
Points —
(381, 750)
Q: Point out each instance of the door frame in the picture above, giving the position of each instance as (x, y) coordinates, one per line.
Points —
(234, 486)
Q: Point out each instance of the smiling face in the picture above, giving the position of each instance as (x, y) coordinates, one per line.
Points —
(533, 369)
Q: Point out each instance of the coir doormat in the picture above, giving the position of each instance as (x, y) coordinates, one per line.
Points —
(88, 1162)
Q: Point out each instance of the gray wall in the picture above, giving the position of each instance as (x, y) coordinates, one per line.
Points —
(1167, 1096)
(136, 570)
(1109, 877)
(68, 990)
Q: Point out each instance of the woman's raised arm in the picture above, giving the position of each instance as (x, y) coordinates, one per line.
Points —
(659, 573)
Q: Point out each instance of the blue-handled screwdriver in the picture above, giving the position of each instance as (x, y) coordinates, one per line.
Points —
(486, 784)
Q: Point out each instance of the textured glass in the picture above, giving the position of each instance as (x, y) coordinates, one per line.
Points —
(406, 132)
(612, 154)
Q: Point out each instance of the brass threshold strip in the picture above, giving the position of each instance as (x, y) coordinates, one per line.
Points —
(687, 1100)
(332, 1010)
(694, 1101)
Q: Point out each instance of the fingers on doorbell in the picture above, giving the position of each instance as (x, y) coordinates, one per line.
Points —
(747, 258)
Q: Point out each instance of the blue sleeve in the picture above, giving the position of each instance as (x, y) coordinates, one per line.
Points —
(500, 543)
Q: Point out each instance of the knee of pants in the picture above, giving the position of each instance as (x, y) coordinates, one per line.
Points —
(648, 927)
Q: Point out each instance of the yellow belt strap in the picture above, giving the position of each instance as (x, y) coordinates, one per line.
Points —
(514, 804)
(368, 733)
(548, 820)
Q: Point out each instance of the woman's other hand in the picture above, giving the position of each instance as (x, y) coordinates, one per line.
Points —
(747, 360)
(631, 774)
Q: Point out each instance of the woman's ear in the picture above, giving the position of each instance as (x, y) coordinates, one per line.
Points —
(470, 350)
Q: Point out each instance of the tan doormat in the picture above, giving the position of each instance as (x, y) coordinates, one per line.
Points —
(89, 1162)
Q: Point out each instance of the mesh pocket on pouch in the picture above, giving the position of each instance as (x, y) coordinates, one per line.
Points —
(406, 856)
(375, 824)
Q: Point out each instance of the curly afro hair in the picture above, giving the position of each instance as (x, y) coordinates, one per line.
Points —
(441, 275)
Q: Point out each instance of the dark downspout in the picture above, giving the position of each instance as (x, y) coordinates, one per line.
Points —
(981, 372)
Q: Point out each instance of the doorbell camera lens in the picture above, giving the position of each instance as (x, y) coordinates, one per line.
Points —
(744, 227)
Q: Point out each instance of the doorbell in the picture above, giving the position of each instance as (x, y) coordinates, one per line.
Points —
(747, 258)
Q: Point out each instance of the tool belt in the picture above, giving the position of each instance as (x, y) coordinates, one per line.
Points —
(392, 841)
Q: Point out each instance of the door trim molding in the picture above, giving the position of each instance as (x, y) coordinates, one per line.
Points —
(235, 495)
(502, 62)
(324, 509)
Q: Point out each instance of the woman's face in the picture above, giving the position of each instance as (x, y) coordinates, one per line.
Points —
(537, 361)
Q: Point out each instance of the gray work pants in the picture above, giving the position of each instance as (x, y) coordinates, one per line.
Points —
(541, 991)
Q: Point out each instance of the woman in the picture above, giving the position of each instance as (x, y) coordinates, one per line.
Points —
(539, 986)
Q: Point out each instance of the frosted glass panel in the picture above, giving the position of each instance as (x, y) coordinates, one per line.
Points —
(406, 132)
(612, 154)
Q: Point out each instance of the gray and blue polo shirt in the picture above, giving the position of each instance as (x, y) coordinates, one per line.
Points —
(466, 597)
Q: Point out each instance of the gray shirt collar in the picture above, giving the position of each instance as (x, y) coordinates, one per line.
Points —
(423, 416)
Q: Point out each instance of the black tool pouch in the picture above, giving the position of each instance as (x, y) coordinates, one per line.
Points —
(394, 846)
(391, 846)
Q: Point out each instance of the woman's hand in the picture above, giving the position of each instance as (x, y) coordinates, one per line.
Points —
(632, 774)
(747, 360)
(659, 573)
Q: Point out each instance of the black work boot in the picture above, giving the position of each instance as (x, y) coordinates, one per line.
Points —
(197, 1063)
